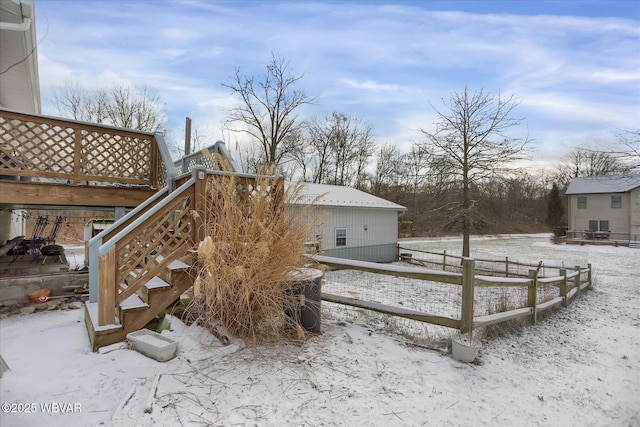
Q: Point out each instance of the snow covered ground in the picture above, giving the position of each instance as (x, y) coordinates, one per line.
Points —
(577, 367)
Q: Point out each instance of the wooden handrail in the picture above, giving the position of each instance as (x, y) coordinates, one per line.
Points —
(143, 247)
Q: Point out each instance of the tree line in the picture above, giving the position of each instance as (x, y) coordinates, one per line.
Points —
(461, 176)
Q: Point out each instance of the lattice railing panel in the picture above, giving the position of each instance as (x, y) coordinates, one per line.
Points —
(162, 173)
(36, 147)
(249, 187)
(76, 152)
(112, 155)
(146, 251)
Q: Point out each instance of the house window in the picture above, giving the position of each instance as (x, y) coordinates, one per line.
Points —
(582, 202)
(341, 237)
(604, 225)
(593, 225)
(616, 201)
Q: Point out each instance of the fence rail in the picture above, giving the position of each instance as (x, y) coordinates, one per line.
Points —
(473, 294)
(506, 267)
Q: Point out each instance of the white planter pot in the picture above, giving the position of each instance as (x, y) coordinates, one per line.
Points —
(464, 347)
(153, 345)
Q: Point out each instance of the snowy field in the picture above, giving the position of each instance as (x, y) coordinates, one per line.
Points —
(578, 367)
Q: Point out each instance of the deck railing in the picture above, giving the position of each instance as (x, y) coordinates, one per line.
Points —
(603, 237)
(61, 150)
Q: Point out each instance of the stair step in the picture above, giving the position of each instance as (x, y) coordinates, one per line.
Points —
(178, 265)
(132, 303)
(174, 265)
(92, 311)
(157, 283)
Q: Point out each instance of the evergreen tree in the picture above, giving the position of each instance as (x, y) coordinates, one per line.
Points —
(555, 209)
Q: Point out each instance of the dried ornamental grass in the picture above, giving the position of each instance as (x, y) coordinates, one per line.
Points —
(254, 239)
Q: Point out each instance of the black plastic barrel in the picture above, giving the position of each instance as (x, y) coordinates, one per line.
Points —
(307, 282)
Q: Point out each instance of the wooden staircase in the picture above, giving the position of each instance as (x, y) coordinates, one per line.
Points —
(140, 308)
(143, 263)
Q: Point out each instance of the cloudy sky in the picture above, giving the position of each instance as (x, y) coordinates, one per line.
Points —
(574, 64)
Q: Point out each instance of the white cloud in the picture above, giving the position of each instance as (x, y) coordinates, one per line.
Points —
(382, 63)
(179, 35)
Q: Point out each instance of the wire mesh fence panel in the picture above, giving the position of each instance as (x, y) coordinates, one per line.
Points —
(493, 293)
(441, 299)
(498, 299)
(547, 292)
(413, 330)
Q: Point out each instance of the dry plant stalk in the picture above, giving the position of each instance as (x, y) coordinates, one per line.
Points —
(254, 238)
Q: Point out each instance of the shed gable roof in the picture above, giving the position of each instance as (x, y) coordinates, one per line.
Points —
(604, 184)
(339, 196)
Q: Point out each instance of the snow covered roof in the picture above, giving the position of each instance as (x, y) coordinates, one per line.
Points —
(604, 184)
(336, 195)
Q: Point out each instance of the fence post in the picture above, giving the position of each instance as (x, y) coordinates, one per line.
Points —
(398, 252)
(200, 202)
(466, 315)
(107, 288)
(532, 301)
(576, 280)
(589, 275)
(506, 266)
(563, 287)
(444, 259)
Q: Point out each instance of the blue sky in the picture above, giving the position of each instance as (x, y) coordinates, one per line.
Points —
(574, 64)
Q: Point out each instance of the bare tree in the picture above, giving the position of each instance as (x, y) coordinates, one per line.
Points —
(319, 149)
(351, 146)
(416, 168)
(120, 106)
(471, 143)
(585, 162)
(269, 107)
(388, 169)
(340, 148)
(629, 151)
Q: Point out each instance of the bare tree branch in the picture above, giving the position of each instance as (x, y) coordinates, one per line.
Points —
(268, 108)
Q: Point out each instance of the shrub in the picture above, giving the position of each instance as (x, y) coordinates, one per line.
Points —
(254, 239)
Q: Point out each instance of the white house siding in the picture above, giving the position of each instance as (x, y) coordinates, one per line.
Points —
(599, 208)
(634, 206)
(376, 243)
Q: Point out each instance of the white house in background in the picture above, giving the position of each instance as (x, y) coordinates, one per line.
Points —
(604, 208)
(353, 224)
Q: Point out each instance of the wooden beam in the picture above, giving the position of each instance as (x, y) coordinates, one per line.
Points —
(107, 290)
(21, 193)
